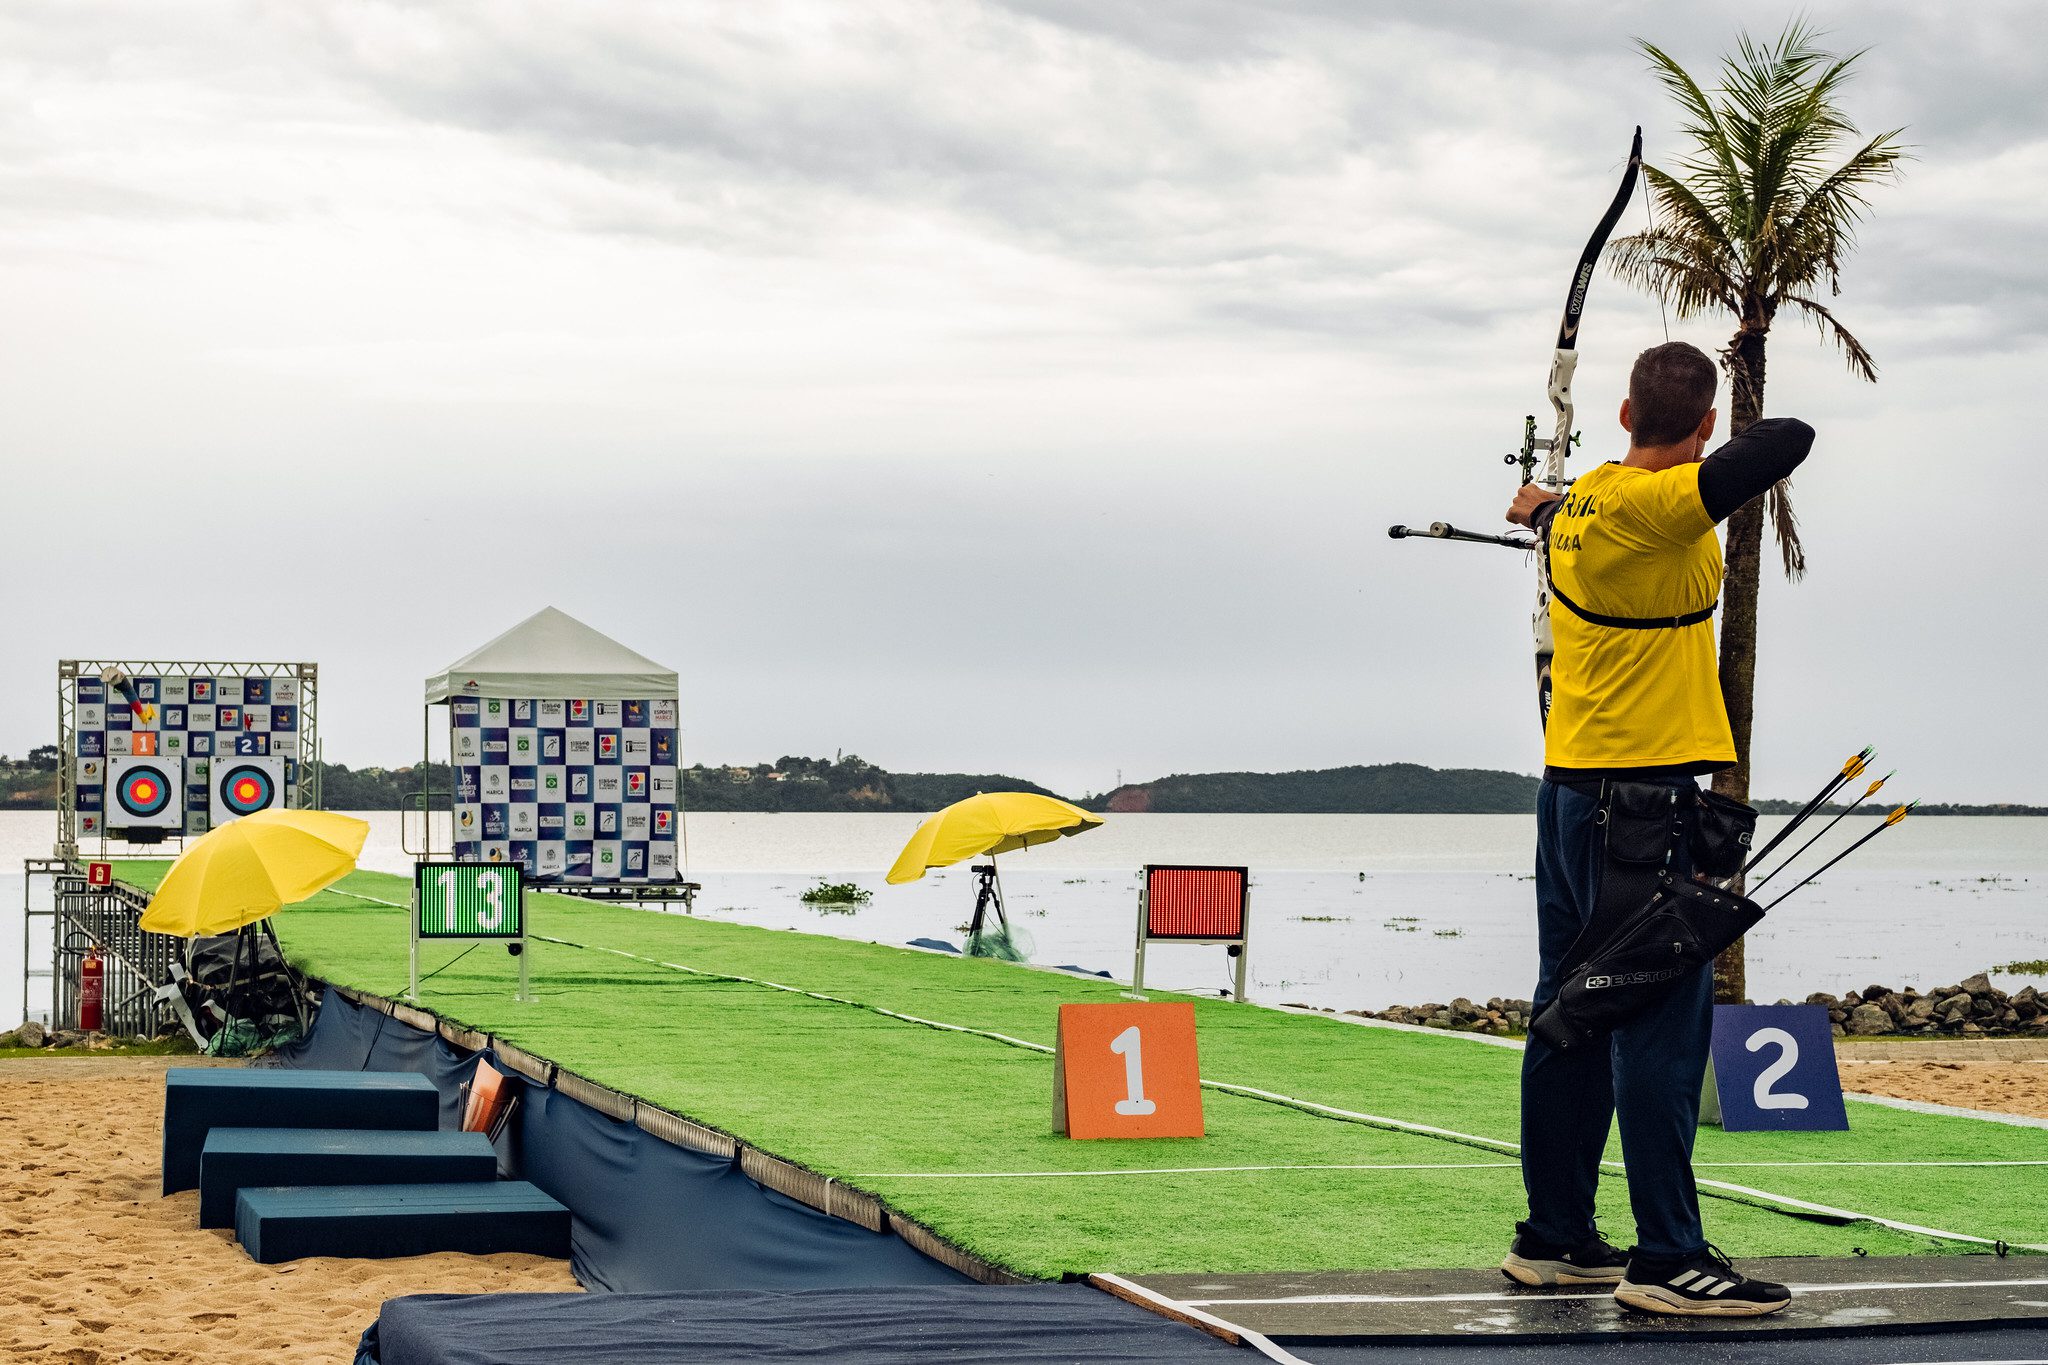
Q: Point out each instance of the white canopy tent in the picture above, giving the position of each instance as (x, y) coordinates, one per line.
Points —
(552, 656)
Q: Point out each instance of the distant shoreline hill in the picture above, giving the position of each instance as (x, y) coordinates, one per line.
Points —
(847, 783)
(1379, 789)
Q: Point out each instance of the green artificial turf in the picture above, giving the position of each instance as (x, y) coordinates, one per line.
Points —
(878, 1101)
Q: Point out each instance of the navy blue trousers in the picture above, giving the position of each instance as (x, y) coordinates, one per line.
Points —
(1648, 1077)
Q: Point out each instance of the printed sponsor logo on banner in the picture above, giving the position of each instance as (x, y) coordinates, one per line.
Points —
(525, 785)
(92, 717)
(664, 747)
(284, 717)
(496, 852)
(661, 861)
(577, 851)
(525, 821)
(172, 743)
(228, 691)
(521, 851)
(522, 710)
(285, 690)
(89, 798)
(464, 711)
(468, 744)
(177, 690)
(202, 742)
(494, 710)
(88, 824)
(606, 712)
(581, 747)
(199, 718)
(550, 713)
(91, 744)
(467, 784)
(636, 783)
(580, 822)
(636, 747)
(496, 822)
(146, 689)
(252, 745)
(551, 859)
(607, 820)
(118, 741)
(468, 819)
(579, 784)
(579, 711)
(607, 784)
(525, 746)
(665, 714)
(91, 690)
(607, 858)
(174, 718)
(662, 785)
(636, 859)
(552, 785)
(636, 823)
(227, 718)
(256, 691)
(200, 689)
(90, 772)
(496, 743)
(497, 783)
(664, 821)
(551, 746)
(608, 746)
(635, 712)
(553, 823)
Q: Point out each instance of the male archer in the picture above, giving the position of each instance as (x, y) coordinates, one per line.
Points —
(1635, 572)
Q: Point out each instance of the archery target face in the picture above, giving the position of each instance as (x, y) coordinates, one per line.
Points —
(144, 793)
(243, 786)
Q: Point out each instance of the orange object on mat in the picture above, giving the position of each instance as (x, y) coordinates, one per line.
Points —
(488, 1095)
(1127, 1071)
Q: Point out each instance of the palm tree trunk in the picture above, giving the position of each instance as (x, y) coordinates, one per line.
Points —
(1744, 360)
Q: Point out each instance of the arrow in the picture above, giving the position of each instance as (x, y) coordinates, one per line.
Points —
(1850, 770)
(1868, 792)
(1894, 818)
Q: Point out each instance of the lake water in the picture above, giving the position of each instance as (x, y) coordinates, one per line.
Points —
(1348, 911)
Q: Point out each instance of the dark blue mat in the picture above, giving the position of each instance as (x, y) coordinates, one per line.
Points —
(965, 1325)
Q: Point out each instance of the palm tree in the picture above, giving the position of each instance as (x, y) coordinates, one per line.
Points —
(1755, 219)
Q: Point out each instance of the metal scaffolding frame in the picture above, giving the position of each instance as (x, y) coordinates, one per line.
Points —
(303, 793)
(108, 918)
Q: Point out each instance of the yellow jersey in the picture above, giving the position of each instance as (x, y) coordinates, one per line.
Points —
(1635, 543)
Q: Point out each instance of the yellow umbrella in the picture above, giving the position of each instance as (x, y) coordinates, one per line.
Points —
(993, 822)
(251, 868)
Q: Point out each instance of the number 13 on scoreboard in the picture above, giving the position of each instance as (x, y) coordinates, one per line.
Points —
(1127, 1070)
(478, 902)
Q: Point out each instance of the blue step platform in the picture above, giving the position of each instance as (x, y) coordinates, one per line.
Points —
(200, 1099)
(238, 1157)
(284, 1223)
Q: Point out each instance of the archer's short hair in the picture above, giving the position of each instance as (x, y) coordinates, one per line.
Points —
(1669, 392)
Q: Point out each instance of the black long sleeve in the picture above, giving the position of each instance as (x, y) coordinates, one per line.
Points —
(1751, 463)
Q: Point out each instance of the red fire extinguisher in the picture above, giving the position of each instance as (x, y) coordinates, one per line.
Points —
(92, 987)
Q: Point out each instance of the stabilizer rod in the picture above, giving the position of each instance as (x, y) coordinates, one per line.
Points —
(1443, 530)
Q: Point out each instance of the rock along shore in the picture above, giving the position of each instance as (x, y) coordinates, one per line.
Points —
(1969, 1009)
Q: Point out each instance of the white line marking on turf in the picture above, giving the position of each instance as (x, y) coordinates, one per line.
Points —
(1524, 1297)
(1386, 1166)
(1950, 1110)
(1133, 1292)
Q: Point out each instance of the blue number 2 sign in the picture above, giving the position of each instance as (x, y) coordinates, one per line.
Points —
(1774, 1069)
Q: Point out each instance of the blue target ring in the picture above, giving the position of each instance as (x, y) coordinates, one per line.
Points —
(245, 789)
(143, 792)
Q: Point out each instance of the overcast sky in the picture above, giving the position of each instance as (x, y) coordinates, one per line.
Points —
(992, 386)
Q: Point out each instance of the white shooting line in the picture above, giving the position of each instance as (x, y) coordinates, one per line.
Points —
(1511, 1296)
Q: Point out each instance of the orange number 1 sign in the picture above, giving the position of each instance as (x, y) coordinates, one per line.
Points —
(1127, 1071)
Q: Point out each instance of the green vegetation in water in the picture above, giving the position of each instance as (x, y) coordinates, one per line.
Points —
(842, 896)
(2036, 967)
(1322, 919)
(1448, 933)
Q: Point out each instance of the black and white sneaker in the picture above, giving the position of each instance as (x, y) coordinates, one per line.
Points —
(1705, 1285)
(1533, 1261)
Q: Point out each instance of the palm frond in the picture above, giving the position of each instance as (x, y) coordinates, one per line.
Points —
(1785, 529)
(1861, 363)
